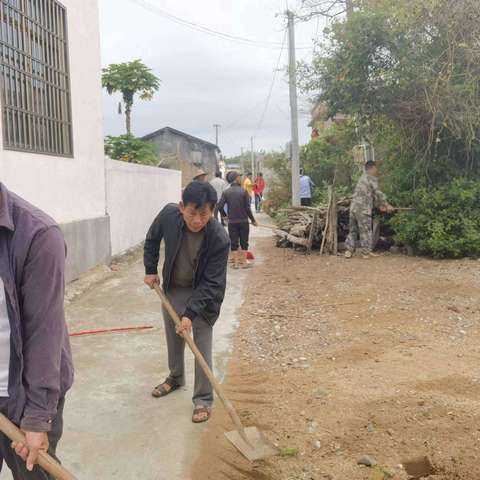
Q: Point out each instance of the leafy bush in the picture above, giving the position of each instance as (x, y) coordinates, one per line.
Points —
(131, 149)
(445, 222)
(279, 182)
(329, 160)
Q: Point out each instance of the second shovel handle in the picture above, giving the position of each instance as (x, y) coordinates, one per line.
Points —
(44, 459)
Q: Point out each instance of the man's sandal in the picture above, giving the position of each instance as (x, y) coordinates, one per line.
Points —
(201, 414)
(160, 390)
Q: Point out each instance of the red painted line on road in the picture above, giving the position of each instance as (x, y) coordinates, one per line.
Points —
(110, 330)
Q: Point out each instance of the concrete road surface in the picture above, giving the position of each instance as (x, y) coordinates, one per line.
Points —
(113, 427)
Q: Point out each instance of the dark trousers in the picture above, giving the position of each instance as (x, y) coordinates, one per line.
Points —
(258, 201)
(15, 463)
(306, 202)
(202, 334)
(239, 233)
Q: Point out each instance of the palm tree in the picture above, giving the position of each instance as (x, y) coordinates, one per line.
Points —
(130, 79)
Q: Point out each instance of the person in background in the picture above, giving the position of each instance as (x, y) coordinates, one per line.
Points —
(200, 176)
(258, 189)
(220, 185)
(239, 212)
(367, 195)
(306, 188)
(194, 280)
(36, 369)
(248, 185)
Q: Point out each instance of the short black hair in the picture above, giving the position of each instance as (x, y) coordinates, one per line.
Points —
(218, 174)
(302, 171)
(370, 164)
(249, 174)
(199, 194)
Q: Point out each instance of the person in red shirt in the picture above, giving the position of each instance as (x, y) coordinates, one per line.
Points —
(258, 189)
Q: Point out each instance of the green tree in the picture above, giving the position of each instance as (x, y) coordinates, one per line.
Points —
(130, 79)
(411, 68)
(329, 160)
(130, 149)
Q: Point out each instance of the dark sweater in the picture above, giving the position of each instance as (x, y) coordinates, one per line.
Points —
(238, 203)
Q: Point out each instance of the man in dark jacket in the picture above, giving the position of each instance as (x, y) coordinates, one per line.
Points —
(35, 360)
(194, 280)
(237, 199)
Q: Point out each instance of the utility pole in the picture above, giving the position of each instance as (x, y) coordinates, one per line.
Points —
(295, 148)
(216, 127)
(349, 5)
(253, 158)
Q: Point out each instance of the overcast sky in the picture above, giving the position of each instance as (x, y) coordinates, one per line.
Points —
(207, 80)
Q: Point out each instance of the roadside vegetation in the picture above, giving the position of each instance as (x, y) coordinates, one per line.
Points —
(130, 79)
(407, 75)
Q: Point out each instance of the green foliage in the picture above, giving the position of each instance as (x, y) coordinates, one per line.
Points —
(328, 160)
(131, 149)
(288, 452)
(408, 73)
(279, 183)
(130, 79)
(412, 66)
(445, 222)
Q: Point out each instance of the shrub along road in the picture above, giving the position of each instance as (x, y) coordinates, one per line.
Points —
(338, 359)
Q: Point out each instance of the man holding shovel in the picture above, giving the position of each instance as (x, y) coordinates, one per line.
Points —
(194, 280)
(35, 360)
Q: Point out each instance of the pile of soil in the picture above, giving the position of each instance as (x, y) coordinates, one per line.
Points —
(339, 359)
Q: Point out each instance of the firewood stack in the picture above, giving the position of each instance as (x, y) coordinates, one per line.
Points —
(306, 227)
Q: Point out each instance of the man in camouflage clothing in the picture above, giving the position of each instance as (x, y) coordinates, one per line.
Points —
(367, 196)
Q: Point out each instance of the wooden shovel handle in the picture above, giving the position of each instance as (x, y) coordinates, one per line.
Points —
(204, 365)
(44, 459)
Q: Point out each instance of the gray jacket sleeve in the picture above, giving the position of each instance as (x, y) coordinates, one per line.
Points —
(44, 328)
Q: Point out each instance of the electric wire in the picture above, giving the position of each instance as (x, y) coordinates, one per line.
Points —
(272, 85)
(207, 30)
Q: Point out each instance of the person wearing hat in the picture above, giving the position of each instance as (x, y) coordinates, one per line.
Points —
(200, 176)
(237, 200)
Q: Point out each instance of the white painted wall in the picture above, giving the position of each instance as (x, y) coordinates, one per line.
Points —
(69, 188)
(135, 196)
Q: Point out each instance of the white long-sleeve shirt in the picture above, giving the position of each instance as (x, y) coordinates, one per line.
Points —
(4, 343)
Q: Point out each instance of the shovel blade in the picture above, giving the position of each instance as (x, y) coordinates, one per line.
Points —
(260, 447)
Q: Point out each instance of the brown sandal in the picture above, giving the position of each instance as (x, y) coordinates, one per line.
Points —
(160, 391)
(201, 414)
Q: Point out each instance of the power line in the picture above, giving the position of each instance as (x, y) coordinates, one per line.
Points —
(203, 29)
(272, 85)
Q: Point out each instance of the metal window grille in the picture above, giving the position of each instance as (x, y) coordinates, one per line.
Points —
(34, 77)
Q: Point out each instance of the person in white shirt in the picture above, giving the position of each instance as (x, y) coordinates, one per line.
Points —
(220, 185)
(306, 187)
(4, 343)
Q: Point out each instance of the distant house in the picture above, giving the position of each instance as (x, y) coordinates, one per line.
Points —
(321, 121)
(184, 152)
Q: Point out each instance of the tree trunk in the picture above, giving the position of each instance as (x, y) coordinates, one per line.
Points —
(128, 118)
(349, 5)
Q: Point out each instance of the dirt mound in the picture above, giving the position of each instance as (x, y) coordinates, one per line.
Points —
(337, 359)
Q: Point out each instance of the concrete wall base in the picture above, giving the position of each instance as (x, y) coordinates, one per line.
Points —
(88, 244)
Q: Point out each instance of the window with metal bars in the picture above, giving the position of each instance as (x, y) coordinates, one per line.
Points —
(34, 77)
